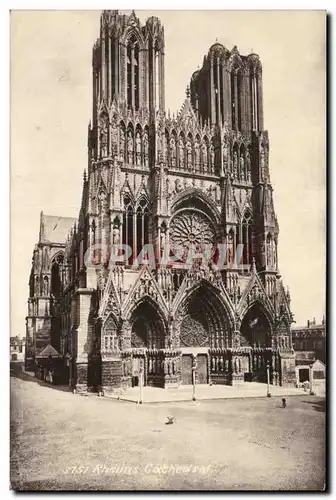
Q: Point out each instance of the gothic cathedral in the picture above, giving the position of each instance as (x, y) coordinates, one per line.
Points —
(198, 178)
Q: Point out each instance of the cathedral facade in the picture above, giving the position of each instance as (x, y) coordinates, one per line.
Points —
(197, 179)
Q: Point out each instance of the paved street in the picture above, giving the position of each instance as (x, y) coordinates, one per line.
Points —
(63, 441)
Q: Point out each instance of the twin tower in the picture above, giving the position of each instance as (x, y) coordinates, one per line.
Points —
(128, 64)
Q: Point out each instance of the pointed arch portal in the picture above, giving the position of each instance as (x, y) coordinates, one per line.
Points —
(205, 322)
(256, 333)
(204, 325)
(148, 331)
(255, 328)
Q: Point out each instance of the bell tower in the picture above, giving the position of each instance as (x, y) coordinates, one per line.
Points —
(127, 70)
(228, 89)
(128, 62)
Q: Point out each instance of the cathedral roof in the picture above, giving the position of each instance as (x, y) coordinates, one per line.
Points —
(54, 228)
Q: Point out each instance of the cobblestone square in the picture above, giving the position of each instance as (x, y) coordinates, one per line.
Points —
(62, 441)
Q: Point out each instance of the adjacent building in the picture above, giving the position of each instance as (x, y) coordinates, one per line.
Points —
(310, 349)
(197, 179)
(17, 348)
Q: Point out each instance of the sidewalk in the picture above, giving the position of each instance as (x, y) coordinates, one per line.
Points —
(206, 392)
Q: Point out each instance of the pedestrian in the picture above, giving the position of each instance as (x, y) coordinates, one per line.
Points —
(284, 403)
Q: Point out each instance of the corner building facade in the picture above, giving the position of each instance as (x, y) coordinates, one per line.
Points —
(198, 178)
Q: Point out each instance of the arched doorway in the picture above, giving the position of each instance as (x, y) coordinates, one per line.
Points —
(147, 338)
(204, 326)
(256, 333)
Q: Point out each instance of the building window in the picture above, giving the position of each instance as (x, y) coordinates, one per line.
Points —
(133, 73)
(142, 223)
(127, 236)
(246, 238)
(233, 100)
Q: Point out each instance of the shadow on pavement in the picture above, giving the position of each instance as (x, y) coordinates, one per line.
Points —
(319, 406)
(16, 371)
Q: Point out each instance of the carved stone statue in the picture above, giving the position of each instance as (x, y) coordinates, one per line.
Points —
(103, 201)
(122, 146)
(145, 144)
(242, 167)
(138, 148)
(235, 164)
(172, 147)
(103, 137)
(181, 153)
(248, 177)
(168, 187)
(225, 153)
(204, 156)
(262, 163)
(37, 285)
(114, 133)
(46, 286)
(247, 164)
(263, 259)
(269, 253)
(178, 186)
(165, 147)
(273, 253)
(197, 156)
(130, 148)
(189, 155)
(212, 158)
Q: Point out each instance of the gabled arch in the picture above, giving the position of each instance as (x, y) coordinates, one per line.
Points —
(133, 34)
(126, 191)
(130, 126)
(139, 291)
(58, 257)
(146, 299)
(247, 215)
(207, 301)
(109, 333)
(112, 319)
(257, 322)
(263, 307)
(149, 325)
(235, 62)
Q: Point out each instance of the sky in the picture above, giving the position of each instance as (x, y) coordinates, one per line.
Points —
(51, 109)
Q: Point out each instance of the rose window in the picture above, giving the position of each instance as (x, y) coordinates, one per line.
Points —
(191, 228)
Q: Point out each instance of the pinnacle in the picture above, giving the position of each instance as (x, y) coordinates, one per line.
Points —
(254, 268)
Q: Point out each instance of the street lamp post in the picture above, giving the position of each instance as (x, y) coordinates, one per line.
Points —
(268, 380)
(194, 379)
(311, 392)
(140, 384)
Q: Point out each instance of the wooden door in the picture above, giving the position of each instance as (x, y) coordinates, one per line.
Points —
(186, 369)
(202, 369)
